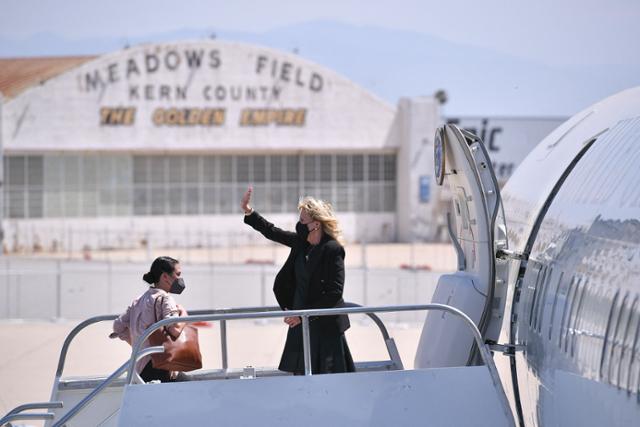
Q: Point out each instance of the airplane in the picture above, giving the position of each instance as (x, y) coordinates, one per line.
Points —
(551, 265)
(547, 281)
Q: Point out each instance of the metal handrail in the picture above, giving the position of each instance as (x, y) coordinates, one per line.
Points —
(16, 413)
(67, 342)
(160, 349)
(305, 314)
(150, 350)
(75, 331)
(255, 309)
(39, 405)
(104, 384)
(72, 335)
(32, 416)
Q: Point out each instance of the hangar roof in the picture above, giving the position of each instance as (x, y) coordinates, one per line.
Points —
(18, 74)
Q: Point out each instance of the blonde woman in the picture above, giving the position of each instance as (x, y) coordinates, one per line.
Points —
(311, 278)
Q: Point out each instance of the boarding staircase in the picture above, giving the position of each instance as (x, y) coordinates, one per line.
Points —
(379, 392)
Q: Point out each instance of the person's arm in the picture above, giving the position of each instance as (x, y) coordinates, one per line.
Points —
(121, 327)
(333, 285)
(268, 230)
(171, 309)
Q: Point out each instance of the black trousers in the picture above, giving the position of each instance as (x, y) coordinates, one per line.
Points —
(149, 373)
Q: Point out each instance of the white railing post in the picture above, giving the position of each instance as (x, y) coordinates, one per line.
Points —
(306, 345)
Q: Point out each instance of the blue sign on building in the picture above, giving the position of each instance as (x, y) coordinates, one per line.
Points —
(425, 188)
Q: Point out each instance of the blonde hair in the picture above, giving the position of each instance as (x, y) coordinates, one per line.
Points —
(322, 212)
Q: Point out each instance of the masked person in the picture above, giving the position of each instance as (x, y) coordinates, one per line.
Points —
(155, 304)
(311, 278)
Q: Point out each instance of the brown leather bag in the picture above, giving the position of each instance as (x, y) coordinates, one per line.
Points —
(181, 353)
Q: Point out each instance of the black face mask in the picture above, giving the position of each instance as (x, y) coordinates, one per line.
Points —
(177, 286)
(302, 230)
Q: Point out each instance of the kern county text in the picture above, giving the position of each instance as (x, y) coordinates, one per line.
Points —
(142, 75)
(145, 77)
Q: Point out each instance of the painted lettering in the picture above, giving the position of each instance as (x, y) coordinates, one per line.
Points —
(181, 93)
(492, 139)
(214, 59)
(151, 62)
(165, 92)
(273, 116)
(172, 60)
(260, 63)
(118, 116)
(148, 92)
(194, 58)
(288, 72)
(285, 71)
(189, 116)
(299, 81)
(221, 93)
(133, 93)
(132, 68)
(93, 81)
(316, 82)
(112, 71)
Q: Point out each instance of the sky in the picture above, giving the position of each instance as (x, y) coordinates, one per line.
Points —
(562, 33)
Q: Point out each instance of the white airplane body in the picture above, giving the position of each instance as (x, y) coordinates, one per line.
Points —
(573, 222)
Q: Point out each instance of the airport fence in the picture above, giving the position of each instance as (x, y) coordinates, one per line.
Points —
(70, 289)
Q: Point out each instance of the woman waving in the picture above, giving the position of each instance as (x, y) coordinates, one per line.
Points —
(311, 278)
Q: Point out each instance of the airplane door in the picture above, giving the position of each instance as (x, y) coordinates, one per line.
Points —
(478, 231)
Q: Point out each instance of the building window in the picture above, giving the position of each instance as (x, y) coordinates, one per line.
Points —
(119, 185)
(24, 178)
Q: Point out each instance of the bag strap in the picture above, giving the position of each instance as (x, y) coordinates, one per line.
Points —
(155, 312)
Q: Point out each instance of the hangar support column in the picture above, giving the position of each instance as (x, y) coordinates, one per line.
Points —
(417, 195)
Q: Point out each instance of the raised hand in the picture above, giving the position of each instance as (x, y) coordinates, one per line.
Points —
(246, 199)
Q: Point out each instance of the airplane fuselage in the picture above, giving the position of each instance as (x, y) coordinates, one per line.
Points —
(573, 210)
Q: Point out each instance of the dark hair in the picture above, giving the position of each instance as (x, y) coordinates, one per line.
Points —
(162, 264)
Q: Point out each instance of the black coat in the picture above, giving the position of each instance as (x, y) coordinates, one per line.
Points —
(326, 266)
(329, 350)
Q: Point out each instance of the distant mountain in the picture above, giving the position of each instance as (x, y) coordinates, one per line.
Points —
(393, 63)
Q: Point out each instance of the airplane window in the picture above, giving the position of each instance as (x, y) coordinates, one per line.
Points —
(576, 310)
(617, 341)
(555, 301)
(601, 305)
(583, 342)
(542, 302)
(567, 304)
(633, 379)
(541, 271)
(590, 325)
(533, 318)
(627, 345)
(614, 312)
